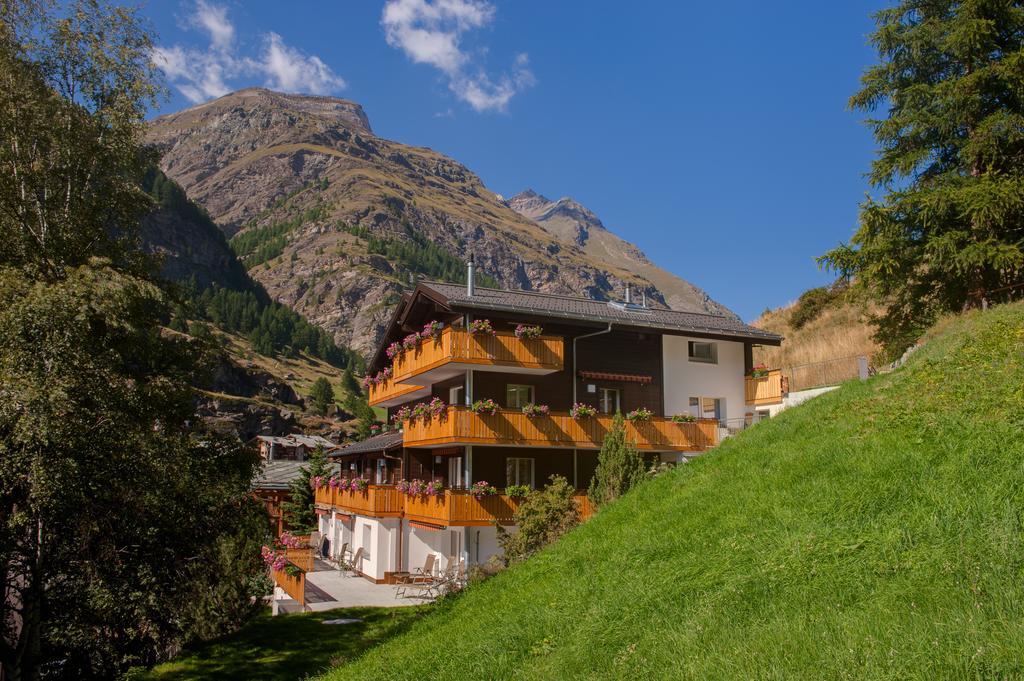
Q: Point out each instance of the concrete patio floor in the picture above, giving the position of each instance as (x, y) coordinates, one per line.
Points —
(328, 588)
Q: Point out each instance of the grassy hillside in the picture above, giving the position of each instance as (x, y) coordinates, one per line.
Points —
(822, 341)
(875, 532)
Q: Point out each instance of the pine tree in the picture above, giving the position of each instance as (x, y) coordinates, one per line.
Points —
(950, 228)
(619, 465)
(322, 395)
(299, 512)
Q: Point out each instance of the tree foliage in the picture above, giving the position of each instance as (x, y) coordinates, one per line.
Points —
(619, 465)
(543, 517)
(950, 229)
(125, 530)
(322, 394)
(299, 512)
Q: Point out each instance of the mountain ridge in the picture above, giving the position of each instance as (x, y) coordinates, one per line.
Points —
(338, 221)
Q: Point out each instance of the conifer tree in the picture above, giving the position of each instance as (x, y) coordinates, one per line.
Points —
(619, 465)
(299, 512)
(949, 231)
(322, 394)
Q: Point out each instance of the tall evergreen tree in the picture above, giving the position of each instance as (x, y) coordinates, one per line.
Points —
(619, 465)
(299, 512)
(950, 228)
(322, 394)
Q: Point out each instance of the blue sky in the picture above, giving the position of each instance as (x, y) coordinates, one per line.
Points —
(715, 136)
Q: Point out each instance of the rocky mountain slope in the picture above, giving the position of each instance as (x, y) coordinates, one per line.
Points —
(246, 392)
(335, 221)
(573, 223)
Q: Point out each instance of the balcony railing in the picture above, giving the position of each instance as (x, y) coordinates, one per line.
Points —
(764, 390)
(454, 507)
(460, 426)
(456, 349)
(378, 501)
(392, 391)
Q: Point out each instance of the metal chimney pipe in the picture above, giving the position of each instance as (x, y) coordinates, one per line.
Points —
(470, 267)
(644, 297)
(629, 295)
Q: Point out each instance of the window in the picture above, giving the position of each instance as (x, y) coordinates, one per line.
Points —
(704, 352)
(608, 400)
(382, 472)
(455, 395)
(518, 396)
(706, 407)
(367, 540)
(455, 472)
(518, 472)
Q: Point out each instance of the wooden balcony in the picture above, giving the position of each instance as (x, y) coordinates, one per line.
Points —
(462, 509)
(460, 426)
(456, 350)
(391, 392)
(378, 501)
(765, 390)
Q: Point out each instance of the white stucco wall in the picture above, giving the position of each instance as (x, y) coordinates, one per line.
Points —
(685, 379)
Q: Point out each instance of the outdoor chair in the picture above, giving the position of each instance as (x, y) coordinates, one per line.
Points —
(350, 566)
(423, 575)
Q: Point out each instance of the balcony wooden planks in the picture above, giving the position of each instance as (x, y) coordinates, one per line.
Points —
(764, 389)
(378, 501)
(513, 428)
(293, 585)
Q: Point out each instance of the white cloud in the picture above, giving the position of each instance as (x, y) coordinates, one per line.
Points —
(430, 32)
(214, 20)
(289, 69)
(202, 74)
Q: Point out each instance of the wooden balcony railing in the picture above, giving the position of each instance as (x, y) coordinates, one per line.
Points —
(300, 558)
(461, 509)
(390, 390)
(378, 501)
(293, 585)
(509, 427)
(765, 390)
(499, 349)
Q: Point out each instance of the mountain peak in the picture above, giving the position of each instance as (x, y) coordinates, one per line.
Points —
(329, 110)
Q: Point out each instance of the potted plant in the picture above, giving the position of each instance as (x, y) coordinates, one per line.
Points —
(434, 488)
(403, 413)
(517, 491)
(524, 332)
(534, 410)
(641, 414)
(581, 410)
(684, 418)
(394, 350)
(759, 371)
(437, 408)
(488, 407)
(358, 484)
(411, 341)
(483, 489)
(432, 330)
(481, 326)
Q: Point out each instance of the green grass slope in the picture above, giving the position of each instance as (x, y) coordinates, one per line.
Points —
(875, 532)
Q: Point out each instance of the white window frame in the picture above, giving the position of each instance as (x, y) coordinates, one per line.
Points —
(713, 352)
(455, 394)
(508, 393)
(601, 392)
(512, 465)
(697, 407)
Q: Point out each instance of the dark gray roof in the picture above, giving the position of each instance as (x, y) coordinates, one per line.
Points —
(586, 309)
(378, 443)
(279, 474)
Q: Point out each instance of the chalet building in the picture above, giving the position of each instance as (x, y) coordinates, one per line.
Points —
(272, 486)
(509, 388)
(294, 447)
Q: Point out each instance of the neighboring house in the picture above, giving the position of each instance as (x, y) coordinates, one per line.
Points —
(612, 357)
(291, 447)
(273, 487)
